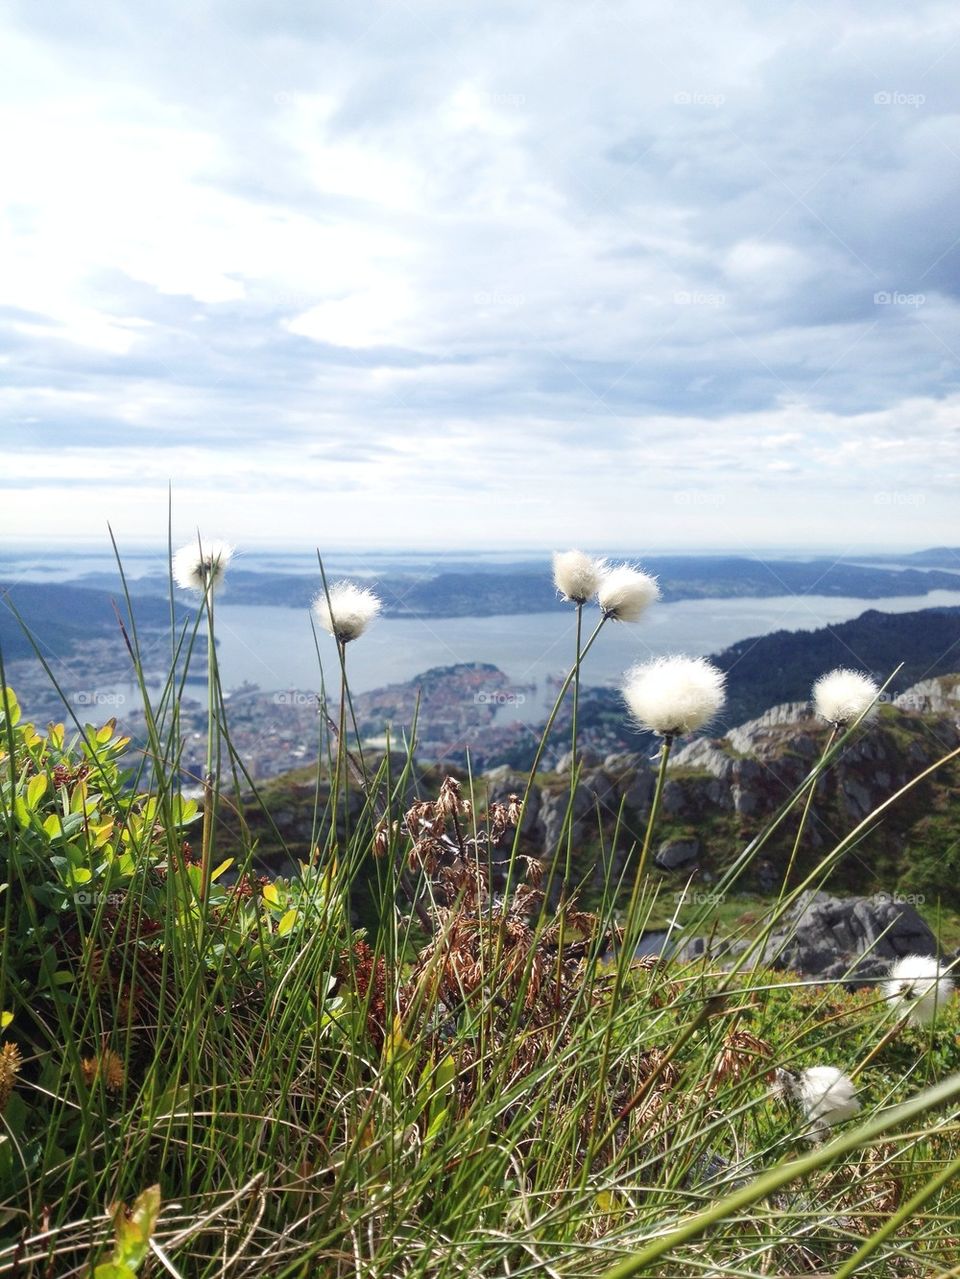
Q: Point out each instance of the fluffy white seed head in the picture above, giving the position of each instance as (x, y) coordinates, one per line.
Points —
(625, 594)
(825, 1095)
(842, 696)
(201, 563)
(349, 611)
(577, 576)
(674, 695)
(918, 987)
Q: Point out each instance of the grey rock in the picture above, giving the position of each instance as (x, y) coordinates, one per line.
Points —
(832, 937)
(704, 755)
(858, 800)
(674, 801)
(677, 854)
(639, 793)
(745, 801)
(939, 696)
(746, 738)
(626, 763)
(588, 759)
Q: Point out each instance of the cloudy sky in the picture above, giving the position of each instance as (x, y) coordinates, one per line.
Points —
(482, 273)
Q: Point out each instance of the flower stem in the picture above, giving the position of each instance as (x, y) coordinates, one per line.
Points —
(341, 783)
(209, 777)
(541, 746)
(565, 886)
(665, 748)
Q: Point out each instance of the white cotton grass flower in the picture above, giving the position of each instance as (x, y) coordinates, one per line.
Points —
(674, 695)
(825, 1095)
(625, 593)
(348, 612)
(577, 576)
(841, 696)
(918, 987)
(200, 564)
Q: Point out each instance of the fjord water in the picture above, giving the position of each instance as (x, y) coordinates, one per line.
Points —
(275, 647)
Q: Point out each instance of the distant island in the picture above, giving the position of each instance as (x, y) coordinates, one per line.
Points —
(527, 587)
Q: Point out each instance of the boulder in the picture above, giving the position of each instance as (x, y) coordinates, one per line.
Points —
(854, 937)
(678, 854)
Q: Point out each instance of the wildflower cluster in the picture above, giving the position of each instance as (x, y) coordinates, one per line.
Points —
(623, 592)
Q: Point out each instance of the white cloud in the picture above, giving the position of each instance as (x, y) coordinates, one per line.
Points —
(511, 250)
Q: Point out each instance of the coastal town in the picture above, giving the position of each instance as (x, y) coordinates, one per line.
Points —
(465, 715)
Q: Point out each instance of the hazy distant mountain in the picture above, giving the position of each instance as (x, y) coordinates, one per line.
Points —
(935, 557)
(60, 616)
(528, 588)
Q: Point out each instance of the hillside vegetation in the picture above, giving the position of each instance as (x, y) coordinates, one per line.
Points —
(423, 1042)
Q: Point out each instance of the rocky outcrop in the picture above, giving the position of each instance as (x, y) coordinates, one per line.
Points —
(721, 791)
(939, 696)
(856, 938)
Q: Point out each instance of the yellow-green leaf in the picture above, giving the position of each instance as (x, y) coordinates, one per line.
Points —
(10, 705)
(52, 826)
(220, 869)
(113, 1270)
(436, 1124)
(133, 1230)
(446, 1072)
(270, 895)
(5, 1020)
(36, 789)
(101, 834)
(286, 923)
